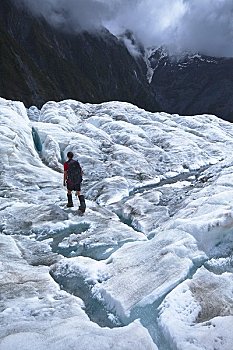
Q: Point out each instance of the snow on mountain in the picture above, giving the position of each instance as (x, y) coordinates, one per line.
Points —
(149, 265)
(190, 84)
(157, 57)
(153, 56)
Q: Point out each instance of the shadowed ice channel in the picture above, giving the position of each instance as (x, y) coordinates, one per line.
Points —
(76, 285)
(68, 242)
(94, 308)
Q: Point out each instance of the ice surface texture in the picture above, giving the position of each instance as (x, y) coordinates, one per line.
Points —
(154, 247)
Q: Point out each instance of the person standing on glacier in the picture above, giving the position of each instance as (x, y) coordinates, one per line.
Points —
(72, 180)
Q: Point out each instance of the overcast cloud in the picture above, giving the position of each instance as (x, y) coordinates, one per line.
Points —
(197, 25)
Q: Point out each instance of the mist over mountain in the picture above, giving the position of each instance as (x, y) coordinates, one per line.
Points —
(129, 87)
(96, 51)
(194, 25)
(40, 63)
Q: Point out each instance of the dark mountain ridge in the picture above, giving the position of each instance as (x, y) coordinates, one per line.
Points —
(193, 84)
(39, 63)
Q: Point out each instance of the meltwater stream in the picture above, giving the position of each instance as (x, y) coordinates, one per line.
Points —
(76, 285)
(94, 308)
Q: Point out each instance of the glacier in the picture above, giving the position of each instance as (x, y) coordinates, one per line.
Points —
(150, 264)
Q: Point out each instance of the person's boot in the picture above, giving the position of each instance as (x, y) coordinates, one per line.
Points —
(70, 201)
(82, 206)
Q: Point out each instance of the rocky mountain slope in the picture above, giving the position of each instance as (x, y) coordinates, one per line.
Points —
(40, 63)
(193, 84)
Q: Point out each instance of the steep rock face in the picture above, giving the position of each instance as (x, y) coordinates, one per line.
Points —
(193, 84)
(40, 63)
(19, 76)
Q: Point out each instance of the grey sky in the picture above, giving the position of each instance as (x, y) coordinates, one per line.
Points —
(198, 25)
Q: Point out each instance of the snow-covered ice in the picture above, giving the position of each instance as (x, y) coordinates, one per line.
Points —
(198, 314)
(149, 265)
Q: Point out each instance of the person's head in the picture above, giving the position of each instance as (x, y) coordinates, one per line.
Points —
(70, 155)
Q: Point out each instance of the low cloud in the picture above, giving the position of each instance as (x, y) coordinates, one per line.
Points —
(205, 26)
